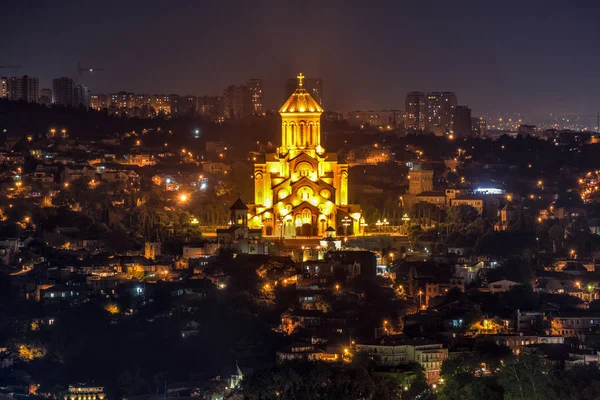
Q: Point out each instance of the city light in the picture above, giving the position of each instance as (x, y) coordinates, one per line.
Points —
(261, 232)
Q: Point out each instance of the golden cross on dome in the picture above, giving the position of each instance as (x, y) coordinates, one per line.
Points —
(300, 77)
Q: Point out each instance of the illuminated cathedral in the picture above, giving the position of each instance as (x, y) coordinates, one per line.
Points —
(301, 190)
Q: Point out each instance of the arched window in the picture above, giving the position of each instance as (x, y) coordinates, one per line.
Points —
(306, 215)
(293, 132)
(304, 169)
(301, 134)
(305, 193)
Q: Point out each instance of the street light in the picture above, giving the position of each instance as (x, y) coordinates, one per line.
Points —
(405, 219)
(363, 225)
(183, 198)
(281, 226)
(346, 222)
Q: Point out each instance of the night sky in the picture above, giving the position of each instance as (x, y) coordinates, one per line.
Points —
(507, 56)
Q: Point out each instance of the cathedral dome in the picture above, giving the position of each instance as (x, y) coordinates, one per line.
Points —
(301, 101)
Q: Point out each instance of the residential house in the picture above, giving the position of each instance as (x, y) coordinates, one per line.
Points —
(305, 352)
(503, 285)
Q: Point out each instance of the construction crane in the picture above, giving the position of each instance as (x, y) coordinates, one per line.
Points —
(80, 69)
(14, 67)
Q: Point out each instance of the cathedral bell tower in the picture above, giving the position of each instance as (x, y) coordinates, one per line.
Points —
(300, 123)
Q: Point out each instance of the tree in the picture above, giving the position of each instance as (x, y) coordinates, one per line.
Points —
(317, 380)
(426, 213)
(557, 235)
(468, 387)
(579, 383)
(458, 217)
(132, 382)
(414, 235)
(526, 378)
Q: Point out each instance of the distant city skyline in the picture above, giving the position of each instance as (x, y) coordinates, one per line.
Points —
(368, 55)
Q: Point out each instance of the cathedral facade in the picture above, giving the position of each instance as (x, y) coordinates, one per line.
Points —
(301, 190)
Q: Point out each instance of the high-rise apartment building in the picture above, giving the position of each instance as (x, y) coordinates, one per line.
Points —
(432, 112)
(62, 91)
(314, 86)
(415, 118)
(161, 104)
(99, 102)
(479, 127)
(23, 88)
(81, 96)
(462, 126)
(526, 129)
(45, 97)
(210, 107)
(237, 102)
(122, 100)
(141, 101)
(440, 110)
(255, 87)
(3, 87)
(183, 105)
(382, 119)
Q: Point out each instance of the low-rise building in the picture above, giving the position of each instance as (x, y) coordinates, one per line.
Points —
(469, 200)
(390, 351)
(436, 198)
(385, 351)
(84, 392)
(517, 341)
(305, 352)
(502, 286)
(429, 355)
(575, 323)
(434, 289)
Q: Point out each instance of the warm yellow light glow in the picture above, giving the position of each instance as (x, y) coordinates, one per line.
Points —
(112, 308)
(300, 156)
(183, 198)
